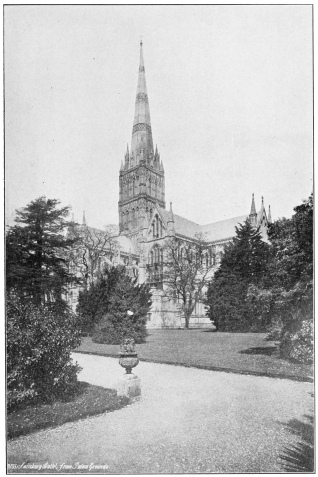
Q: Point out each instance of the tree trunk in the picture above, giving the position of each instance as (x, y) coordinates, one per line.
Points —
(187, 320)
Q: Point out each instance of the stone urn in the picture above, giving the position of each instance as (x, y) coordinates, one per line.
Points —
(128, 358)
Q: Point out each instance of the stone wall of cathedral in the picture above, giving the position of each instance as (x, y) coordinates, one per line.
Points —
(140, 188)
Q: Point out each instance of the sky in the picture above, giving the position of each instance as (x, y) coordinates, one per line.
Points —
(230, 95)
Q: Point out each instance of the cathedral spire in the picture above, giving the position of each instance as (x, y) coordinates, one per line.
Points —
(141, 133)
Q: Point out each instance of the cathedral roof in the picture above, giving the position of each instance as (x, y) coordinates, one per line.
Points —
(182, 226)
(223, 229)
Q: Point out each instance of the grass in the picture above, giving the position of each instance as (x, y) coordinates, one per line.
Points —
(89, 401)
(244, 353)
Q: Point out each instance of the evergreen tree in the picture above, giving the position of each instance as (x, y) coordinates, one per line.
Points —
(93, 303)
(36, 252)
(103, 308)
(243, 264)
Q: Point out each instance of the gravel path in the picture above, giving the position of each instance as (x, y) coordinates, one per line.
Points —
(188, 420)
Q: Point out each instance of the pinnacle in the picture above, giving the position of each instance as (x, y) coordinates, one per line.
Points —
(253, 208)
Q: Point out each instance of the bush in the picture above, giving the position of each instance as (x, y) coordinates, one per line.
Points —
(110, 330)
(39, 343)
(302, 343)
(111, 297)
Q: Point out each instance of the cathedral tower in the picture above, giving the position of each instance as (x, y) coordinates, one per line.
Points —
(141, 176)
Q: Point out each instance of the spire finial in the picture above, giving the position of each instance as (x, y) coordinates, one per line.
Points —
(262, 200)
(84, 220)
(140, 40)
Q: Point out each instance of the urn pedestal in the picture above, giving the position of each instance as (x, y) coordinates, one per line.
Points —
(129, 384)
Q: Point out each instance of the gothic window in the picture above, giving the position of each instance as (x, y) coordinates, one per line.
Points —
(127, 188)
(155, 269)
(157, 227)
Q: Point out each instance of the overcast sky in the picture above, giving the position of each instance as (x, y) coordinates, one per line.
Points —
(230, 95)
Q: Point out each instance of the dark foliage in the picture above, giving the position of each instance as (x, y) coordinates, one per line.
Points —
(300, 457)
(243, 265)
(103, 308)
(36, 248)
(286, 293)
(93, 303)
(39, 343)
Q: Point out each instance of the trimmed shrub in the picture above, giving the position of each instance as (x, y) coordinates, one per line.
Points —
(39, 343)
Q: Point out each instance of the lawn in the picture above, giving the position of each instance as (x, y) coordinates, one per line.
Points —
(90, 400)
(245, 353)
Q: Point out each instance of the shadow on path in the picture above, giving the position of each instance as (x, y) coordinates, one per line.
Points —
(300, 457)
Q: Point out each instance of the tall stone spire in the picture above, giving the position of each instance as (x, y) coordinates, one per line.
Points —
(141, 143)
(141, 177)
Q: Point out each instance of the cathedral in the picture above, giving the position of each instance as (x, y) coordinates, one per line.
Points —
(145, 223)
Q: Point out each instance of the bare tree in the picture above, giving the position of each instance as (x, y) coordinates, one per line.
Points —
(186, 272)
(94, 249)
